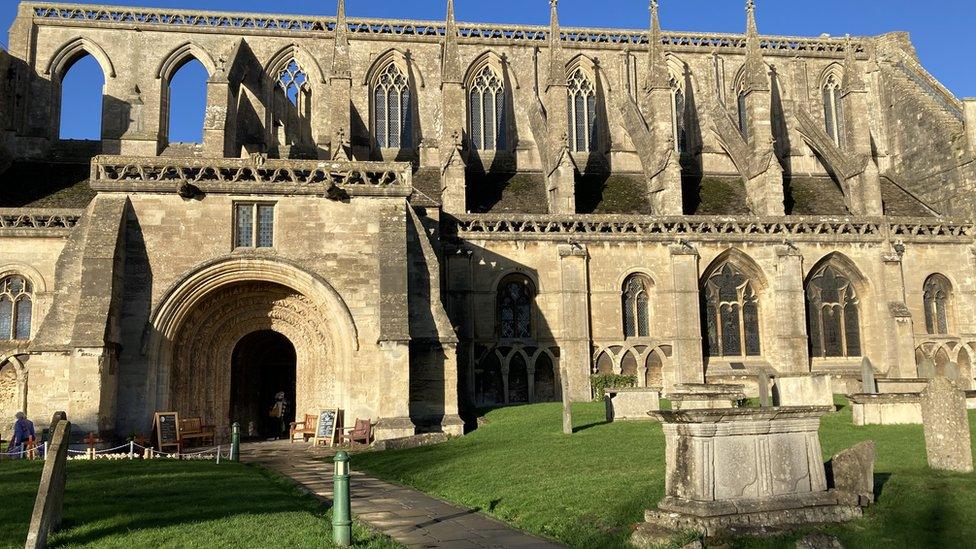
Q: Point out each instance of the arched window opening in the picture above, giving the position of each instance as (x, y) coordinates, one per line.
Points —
(486, 111)
(833, 315)
(635, 306)
(936, 295)
(741, 105)
(628, 364)
(186, 102)
(654, 376)
(731, 313)
(518, 380)
(392, 127)
(489, 387)
(544, 384)
(582, 113)
(291, 117)
(514, 302)
(833, 108)
(294, 83)
(604, 364)
(16, 308)
(678, 116)
(82, 88)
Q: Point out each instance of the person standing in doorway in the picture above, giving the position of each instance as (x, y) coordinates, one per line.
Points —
(278, 413)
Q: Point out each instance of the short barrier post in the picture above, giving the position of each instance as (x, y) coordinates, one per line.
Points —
(235, 442)
(341, 519)
(132, 449)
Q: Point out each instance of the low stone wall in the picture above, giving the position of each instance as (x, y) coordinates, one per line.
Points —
(803, 390)
(886, 409)
(632, 403)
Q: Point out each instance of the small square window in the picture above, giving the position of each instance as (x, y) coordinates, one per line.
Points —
(253, 225)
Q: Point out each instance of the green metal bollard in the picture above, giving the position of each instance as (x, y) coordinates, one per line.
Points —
(341, 519)
(235, 442)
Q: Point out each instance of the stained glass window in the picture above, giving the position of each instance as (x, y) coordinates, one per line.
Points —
(253, 225)
(582, 112)
(833, 108)
(636, 319)
(731, 313)
(936, 295)
(486, 106)
(391, 109)
(16, 308)
(833, 315)
(515, 296)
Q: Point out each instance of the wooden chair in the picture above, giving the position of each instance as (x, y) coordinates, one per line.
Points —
(304, 428)
(361, 433)
(192, 430)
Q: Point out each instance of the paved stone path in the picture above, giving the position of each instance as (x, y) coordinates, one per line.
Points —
(411, 517)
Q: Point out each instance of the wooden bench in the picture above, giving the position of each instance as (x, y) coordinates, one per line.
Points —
(362, 433)
(305, 428)
(193, 431)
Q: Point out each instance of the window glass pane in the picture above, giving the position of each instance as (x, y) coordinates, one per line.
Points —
(829, 113)
(477, 141)
(711, 324)
(394, 119)
(489, 122)
(743, 118)
(731, 339)
(929, 303)
(839, 116)
(630, 329)
(23, 327)
(750, 317)
(500, 121)
(832, 330)
(406, 138)
(852, 329)
(6, 317)
(244, 226)
(643, 320)
(265, 225)
(591, 120)
(580, 114)
(813, 328)
(942, 323)
(379, 108)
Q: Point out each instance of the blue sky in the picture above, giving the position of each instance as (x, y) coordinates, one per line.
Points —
(940, 30)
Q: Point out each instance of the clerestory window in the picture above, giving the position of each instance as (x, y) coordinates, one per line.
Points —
(16, 308)
(392, 126)
(582, 113)
(486, 111)
(833, 108)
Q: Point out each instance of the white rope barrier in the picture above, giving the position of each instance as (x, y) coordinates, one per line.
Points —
(216, 453)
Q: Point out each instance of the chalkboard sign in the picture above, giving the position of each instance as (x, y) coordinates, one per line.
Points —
(327, 425)
(167, 428)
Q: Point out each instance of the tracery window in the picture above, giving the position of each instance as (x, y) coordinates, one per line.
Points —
(936, 295)
(731, 313)
(678, 115)
(391, 109)
(486, 111)
(833, 108)
(16, 308)
(833, 316)
(635, 306)
(514, 303)
(582, 113)
(294, 82)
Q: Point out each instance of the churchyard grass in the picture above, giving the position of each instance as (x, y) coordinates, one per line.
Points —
(590, 489)
(165, 503)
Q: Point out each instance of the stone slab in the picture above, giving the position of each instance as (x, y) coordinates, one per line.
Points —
(804, 390)
(851, 472)
(632, 404)
(48, 506)
(886, 409)
(948, 442)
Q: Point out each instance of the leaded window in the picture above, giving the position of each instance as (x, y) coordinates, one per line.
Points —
(678, 116)
(833, 315)
(16, 308)
(731, 313)
(582, 113)
(486, 111)
(833, 108)
(635, 306)
(515, 296)
(391, 110)
(936, 295)
(294, 82)
(743, 114)
(254, 225)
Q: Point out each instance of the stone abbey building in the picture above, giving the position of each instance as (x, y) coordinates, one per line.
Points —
(404, 219)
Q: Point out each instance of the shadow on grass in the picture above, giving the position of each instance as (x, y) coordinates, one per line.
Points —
(591, 425)
(880, 479)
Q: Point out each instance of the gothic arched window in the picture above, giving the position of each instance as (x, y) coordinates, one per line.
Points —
(937, 292)
(392, 127)
(294, 83)
(731, 313)
(486, 111)
(635, 306)
(514, 303)
(16, 307)
(833, 316)
(743, 113)
(582, 112)
(678, 115)
(833, 108)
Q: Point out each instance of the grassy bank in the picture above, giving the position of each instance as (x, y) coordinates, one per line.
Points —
(590, 489)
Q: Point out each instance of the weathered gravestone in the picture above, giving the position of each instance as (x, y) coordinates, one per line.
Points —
(868, 384)
(851, 472)
(50, 494)
(948, 443)
(58, 416)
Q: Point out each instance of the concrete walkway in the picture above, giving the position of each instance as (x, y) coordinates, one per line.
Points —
(408, 516)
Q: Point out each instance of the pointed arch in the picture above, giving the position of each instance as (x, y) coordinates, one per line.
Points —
(392, 56)
(635, 303)
(279, 61)
(74, 50)
(488, 59)
(834, 289)
(831, 91)
(582, 87)
(743, 261)
(732, 286)
(585, 63)
(390, 99)
(180, 56)
(487, 101)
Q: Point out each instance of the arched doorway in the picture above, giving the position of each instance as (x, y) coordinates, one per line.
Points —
(263, 363)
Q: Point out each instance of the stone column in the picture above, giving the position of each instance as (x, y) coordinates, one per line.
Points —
(969, 108)
(574, 341)
(687, 357)
(899, 331)
(790, 352)
(452, 423)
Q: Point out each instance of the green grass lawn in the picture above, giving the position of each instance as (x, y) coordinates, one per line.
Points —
(170, 504)
(590, 489)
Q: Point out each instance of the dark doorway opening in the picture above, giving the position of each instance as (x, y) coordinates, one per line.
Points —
(263, 364)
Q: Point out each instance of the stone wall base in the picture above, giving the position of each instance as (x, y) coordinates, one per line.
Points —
(393, 427)
(747, 517)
